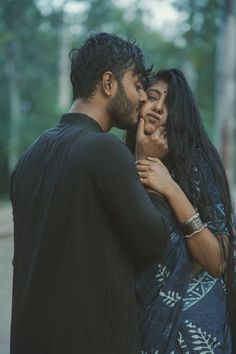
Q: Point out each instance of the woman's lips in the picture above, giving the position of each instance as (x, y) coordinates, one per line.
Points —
(154, 116)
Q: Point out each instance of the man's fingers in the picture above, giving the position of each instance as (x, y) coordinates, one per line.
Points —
(162, 128)
(140, 129)
(158, 131)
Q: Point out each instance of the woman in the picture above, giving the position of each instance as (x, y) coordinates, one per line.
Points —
(186, 303)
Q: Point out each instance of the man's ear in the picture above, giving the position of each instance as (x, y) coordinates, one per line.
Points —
(108, 83)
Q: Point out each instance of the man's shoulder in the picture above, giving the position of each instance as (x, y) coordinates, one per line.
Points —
(104, 140)
(106, 148)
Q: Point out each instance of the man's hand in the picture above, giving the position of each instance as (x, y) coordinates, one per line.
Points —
(152, 145)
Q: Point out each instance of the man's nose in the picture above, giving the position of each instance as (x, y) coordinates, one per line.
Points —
(143, 96)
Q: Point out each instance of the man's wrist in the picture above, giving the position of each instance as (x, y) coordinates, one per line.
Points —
(139, 156)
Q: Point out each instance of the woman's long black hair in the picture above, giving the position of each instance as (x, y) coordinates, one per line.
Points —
(185, 134)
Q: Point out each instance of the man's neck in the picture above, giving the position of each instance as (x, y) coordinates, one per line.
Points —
(92, 110)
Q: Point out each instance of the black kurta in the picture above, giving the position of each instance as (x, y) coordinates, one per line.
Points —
(81, 221)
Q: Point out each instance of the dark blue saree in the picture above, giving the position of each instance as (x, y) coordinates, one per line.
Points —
(178, 314)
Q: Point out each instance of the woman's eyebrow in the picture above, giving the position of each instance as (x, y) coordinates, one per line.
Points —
(156, 91)
(151, 89)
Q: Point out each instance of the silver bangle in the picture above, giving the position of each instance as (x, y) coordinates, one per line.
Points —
(188, 221)
(192, 225)
(196, 231)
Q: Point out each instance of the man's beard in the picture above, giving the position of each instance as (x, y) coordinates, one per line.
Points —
(122, 110)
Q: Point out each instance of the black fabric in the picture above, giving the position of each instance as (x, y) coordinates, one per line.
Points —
(81, 221)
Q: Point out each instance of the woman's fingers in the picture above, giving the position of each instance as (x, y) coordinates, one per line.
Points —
(149, 161)
(143, 178)
(143, 174)
(154, 159)
(150, 164)
(144, 181)
(144, 162)
(142, 168)
(157, 161)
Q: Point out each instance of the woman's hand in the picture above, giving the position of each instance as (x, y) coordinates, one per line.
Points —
(154, 175)
(204, 246)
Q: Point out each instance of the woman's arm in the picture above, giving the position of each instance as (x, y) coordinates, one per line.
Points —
(204, 246)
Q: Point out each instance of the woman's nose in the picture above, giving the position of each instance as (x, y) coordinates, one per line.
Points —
(159, 107)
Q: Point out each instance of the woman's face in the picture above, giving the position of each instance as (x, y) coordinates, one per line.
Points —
(154, 111)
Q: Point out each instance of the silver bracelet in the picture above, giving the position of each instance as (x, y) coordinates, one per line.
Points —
(188, 221)
(196, 232)
(192, 225)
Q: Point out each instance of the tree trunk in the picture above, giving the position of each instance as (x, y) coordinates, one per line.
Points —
(225, 100)
(14, 105)
(64, 94)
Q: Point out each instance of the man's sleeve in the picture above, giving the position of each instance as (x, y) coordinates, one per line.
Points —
(143, 225)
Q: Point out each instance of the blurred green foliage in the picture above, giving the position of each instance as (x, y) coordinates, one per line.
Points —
(30, 41)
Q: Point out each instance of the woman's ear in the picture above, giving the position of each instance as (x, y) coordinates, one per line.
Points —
(108, 83)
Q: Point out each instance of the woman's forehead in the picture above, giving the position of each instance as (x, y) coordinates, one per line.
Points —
(160, 87)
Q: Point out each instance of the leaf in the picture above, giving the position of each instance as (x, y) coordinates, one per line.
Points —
(196, 336)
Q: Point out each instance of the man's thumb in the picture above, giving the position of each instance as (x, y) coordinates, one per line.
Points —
(140, 129)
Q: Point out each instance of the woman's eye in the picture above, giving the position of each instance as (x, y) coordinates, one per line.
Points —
(139, 87)
(152, 98)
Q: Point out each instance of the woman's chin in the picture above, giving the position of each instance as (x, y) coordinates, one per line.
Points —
(149, 128)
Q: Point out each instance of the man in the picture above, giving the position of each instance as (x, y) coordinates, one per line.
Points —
(82, 218)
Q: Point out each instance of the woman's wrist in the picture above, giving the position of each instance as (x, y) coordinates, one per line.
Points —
(180, 204)
(173, 191)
